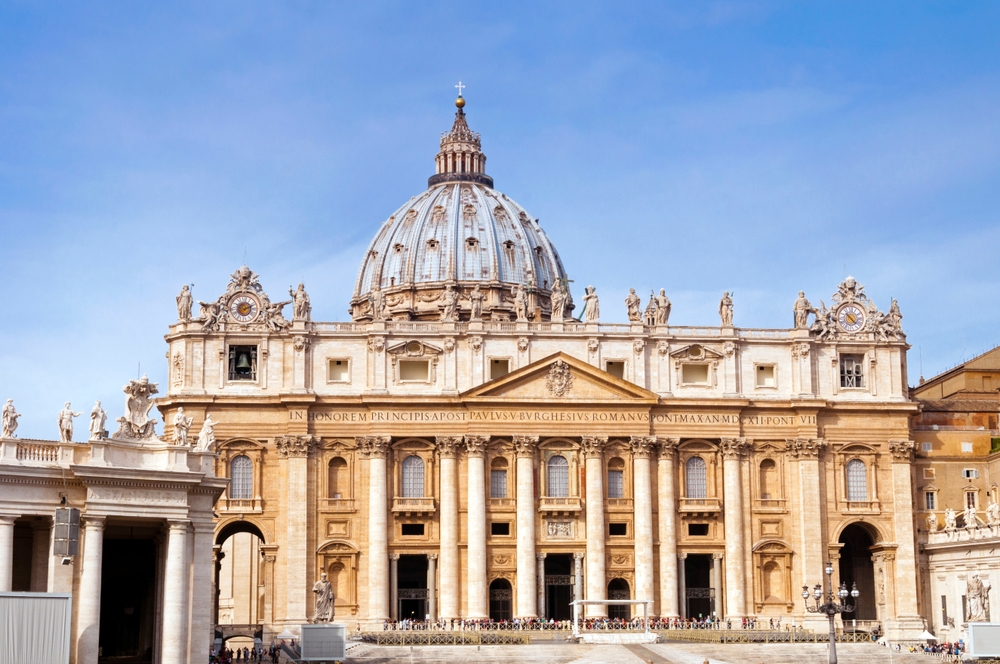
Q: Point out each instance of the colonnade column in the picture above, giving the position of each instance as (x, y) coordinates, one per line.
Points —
(394, 586)
(666, 502)
(524, 448)
(432, 585)
(88, 608)
(682, 584)
(295, 450)
(203, 584)
(174, 642)
(811, 544)
(6, 553)
(578, 576)
(717, 581)
(540, 557)
(642, 448)
(733, 451)
(448, 448)
(377, 448)
(593, 450)
(478, 592)
(909, 623)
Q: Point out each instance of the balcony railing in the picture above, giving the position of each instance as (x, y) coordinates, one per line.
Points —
(241, 505)
(549, 504)
(337, 504)
(503, 503)
(619, 504)
(413, 505)
(37, 452)
(700, 505)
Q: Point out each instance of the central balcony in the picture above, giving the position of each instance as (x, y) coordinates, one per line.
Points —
(559, 505)
(699, 505)
(413, 506)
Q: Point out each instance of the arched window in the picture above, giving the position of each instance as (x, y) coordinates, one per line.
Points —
(337, 479)
(618, 589)
(558, 477)
(768, 479)
(498, 478)
(696, 480)
(241, 478)
(413, 477)
(857, 481)
(616, 478)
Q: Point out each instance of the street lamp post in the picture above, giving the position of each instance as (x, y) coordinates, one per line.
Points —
(832, 606)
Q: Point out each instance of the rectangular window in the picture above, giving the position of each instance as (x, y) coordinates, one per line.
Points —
(616, 368)
(414, 371)
(616, 484)
(498, 484)
(698, 529)
(499, 368)
(338, 371)
(765, 376)
(852, 371)
(500, 529)
(944, 610)
(694, 374)
(966, 448)
(242, 363)
(618, 529)
(929, 500)
(970, 499)
(412, 528)
(970, 474)
(926, 448)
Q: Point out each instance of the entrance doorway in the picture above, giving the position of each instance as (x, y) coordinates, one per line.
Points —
(698, 580)
(618, 589)
(411, 584)
(501, 600)
(856, 567)
(239, 583)
(128, 594)
(558, 586)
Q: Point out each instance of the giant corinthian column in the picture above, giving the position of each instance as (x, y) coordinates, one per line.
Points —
(448, 448)
(593, 450)
(174, 649)
(666, 505)
(524, 448)
(478, 593)
(733, 451)
(377, 449)
(88, 600)
(812, 556)
(642, 448)
(295, 451)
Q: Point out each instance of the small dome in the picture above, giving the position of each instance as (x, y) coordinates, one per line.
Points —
(459, 233)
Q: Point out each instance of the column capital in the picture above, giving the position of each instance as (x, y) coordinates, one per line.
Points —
(432, 556)
(475, 446)
(178, 524)
(294, 446)
(805, 448)
(8, 519)
(735, 448)
(902, 450)
(717, 556)
(642, 446)
(593, 446)
(374, 447)
(448, 446)
(540, 556)
(667, 447)
(394, 556)
(93, 521)
(682, 556)
(578, 556)
(524, 446)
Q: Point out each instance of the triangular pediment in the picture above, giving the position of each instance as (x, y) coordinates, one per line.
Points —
(560, 378)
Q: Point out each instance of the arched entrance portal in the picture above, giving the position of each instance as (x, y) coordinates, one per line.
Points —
(618, 589)
(856, 567)
(240, 588)
(501, 599)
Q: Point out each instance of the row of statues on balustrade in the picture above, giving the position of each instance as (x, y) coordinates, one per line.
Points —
(134, 426)
(970, 519)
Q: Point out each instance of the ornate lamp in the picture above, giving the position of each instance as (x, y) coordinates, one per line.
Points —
(834, 604)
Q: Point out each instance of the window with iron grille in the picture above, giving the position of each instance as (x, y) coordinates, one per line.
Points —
(413, 477)
(857, 481)
(852, 372)
(616, 484)
(558, 477)
(696, 480)
(498, 484)
(241, 478)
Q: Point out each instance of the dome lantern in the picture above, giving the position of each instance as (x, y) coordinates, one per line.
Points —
(461, 158)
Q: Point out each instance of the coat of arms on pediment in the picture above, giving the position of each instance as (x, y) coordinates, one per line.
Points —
(559, 381)
(696, 353)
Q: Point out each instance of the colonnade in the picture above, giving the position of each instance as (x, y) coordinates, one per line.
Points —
(530, 589)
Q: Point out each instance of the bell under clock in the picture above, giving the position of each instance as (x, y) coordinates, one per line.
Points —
(243, 308)
(851, 318)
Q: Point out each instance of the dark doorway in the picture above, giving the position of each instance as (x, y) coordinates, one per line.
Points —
(618, 589)
(698, 581)
(128, 597)
(501, 600)
(856, 567)
(411, 584)
(22, 558)
(558, 586)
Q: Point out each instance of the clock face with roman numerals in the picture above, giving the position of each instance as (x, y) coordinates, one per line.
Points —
(851, 318)
(244, 308)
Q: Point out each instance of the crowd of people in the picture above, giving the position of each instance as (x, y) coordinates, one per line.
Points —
(256, 655)
(409, 624)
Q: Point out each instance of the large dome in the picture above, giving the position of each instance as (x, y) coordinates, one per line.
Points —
(459, 233)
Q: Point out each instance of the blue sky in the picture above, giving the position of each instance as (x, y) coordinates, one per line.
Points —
(761, 147)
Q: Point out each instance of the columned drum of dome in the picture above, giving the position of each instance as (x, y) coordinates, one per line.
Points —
(460, 233)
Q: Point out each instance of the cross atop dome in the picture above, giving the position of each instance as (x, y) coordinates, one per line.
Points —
(461, 158)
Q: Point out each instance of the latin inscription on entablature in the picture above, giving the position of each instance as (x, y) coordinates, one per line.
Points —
(137, 496)
(541, 416)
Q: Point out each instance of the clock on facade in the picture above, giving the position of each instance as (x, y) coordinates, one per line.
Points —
(243, 308)
(851, 317)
